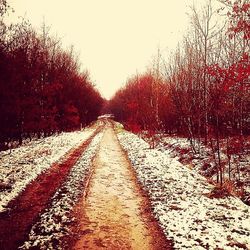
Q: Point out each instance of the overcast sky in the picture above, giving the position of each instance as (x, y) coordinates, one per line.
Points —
(115, 38)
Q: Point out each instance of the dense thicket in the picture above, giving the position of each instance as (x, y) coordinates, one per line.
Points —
(42, 90)
(203, 91)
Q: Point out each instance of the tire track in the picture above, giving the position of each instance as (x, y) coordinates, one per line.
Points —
(26, 208)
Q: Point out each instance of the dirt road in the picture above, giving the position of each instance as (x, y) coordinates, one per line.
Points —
(115, 213)
(112, 213)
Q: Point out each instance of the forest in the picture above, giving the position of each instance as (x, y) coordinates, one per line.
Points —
(42, 87)
(202, 91)
(164, 164)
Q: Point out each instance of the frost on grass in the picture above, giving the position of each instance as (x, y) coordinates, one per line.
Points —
(24, 164)
(179, 201)
(53, 224)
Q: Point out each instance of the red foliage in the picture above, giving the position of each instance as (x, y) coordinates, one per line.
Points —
(240, 18)
(42, 90)
(133, 126)
(236, 74)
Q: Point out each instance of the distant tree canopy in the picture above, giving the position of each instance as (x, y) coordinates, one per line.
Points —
(144, 103)
(204, 88)
(42, 90)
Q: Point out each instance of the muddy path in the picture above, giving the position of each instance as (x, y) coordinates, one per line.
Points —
(24, 211)
(115, 213)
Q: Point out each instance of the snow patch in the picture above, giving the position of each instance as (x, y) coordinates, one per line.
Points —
(53, 224)
(24, 164)
(179, 202)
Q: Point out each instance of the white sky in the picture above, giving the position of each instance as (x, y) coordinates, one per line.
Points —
(115, 38)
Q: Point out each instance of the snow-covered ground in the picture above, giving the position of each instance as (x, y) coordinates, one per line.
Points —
(204, 162)
(23, 164)
(179, 201)
(52, 226)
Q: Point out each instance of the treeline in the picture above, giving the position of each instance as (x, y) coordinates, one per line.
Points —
(203, 91)
(42, 90)
(145, 104)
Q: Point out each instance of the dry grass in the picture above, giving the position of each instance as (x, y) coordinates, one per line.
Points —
(227, 189)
